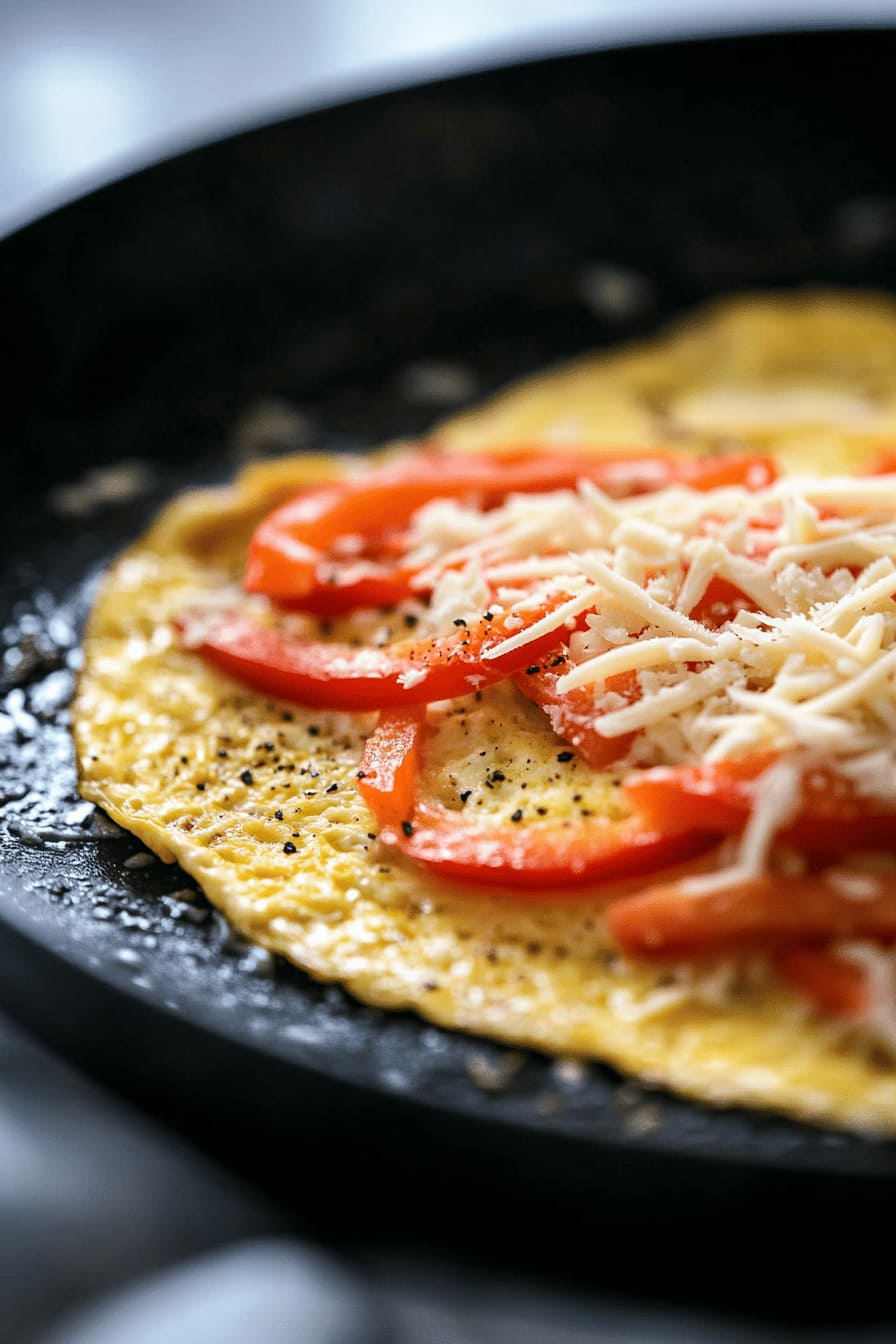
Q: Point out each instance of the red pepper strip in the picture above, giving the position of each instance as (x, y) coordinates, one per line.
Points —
(832, 983)
(668, 921)
(882, 465)
(387, 778)
(572, 714)
(834, 819)
(530, 857)
(342, 676)
(291, 556)
(721, 602)
(699, 473)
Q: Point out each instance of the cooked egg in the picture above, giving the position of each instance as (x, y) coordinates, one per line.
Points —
(257, 799)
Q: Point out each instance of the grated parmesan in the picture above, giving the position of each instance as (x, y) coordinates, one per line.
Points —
(809, 670)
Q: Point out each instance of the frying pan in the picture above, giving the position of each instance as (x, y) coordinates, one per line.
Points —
(282, 288)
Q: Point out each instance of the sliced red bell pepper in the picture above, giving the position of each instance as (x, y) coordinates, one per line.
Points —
(387, 778)
(343, 676)
(830, 982)
(669, 921)
(313, 552)
(882, 465)
(721, 602)
(572, 714)
(833, 818)
(537, 856)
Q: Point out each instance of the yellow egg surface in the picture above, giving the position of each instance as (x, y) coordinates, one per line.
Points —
(220, 779)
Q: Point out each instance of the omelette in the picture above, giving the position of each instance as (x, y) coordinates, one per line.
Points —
(500, 895)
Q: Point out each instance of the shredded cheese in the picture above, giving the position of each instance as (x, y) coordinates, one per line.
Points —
(777, 793)
(807, 666)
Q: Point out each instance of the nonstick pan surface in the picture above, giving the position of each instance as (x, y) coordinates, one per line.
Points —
(282, 289)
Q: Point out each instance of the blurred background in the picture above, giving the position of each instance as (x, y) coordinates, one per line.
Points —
(111, 1230)
(92, 88)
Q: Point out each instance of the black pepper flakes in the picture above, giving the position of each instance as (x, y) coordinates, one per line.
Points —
(465, 795)
(313, 730)
(279, 814)
(200, 787)
(331, 788)
(411, 620)
(530, 671)
(289, 848)
(517, 815)
(565, 756)
(246, 777)
(459, 620)
(407, 828)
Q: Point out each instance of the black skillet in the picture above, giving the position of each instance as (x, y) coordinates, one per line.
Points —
(273, 290)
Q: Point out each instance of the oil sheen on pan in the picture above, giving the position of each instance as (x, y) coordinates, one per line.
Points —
(756, 968)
